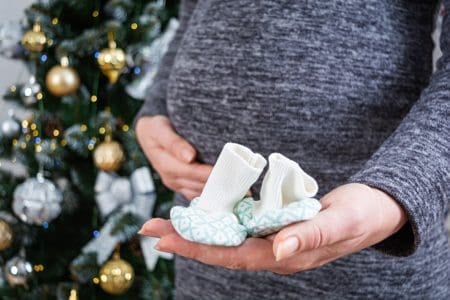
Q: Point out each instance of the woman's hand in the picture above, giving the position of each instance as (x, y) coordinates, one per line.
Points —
(172, 156)
(353, 217)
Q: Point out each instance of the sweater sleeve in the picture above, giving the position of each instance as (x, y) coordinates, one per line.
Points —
(413, 164)
(155, 101)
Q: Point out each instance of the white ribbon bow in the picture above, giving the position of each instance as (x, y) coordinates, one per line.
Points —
(136, 195)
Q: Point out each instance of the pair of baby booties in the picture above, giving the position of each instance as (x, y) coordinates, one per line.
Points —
(223, 216)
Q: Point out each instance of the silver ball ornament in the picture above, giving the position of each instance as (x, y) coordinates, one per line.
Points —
(29, 91)
(17, 271)
(37, 200)
(10, 128)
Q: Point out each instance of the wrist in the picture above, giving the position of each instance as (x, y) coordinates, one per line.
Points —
(393, 216)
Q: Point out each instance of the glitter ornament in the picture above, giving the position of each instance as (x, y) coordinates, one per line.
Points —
(109, 155)
(34, 40)
(29, 91)
(73, 294)
(10, 128)
(37, 201)
(112, 60)
(62, 80)
(17, 271)
(116, 276)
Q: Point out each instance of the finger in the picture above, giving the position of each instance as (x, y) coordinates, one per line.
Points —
(189, 194)
(253, 254)
(166, 137)
(271, 237)
(193, 185)
(330, 226)
(168, 165)
(157, 227)
(315, 258)
(307, 260)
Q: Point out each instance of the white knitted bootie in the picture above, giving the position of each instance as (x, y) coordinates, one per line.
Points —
(209, 219)
(286, 197)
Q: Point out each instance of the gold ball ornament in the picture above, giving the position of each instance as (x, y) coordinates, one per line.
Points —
(73, 294)
(62, 80)
(34, 40)
(116, 276)
(6, 235)
(109, 155)
(112, 61)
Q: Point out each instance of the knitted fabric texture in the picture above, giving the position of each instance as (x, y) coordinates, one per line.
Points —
(286, 198)
(345, 88)
(210, 218)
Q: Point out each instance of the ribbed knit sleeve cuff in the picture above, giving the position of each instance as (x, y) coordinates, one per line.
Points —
(414, 180)
(393, 182)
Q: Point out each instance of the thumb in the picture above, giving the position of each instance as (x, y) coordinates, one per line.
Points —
(324, 229)
(164, 134)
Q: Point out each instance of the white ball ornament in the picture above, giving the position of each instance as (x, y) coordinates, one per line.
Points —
(37, 200)
(10, 128)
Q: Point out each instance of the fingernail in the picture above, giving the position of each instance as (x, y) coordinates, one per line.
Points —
(187, 155)
(286, 248)
(157, 247)
(141, 231)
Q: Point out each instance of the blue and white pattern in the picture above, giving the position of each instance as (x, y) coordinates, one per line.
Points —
(197, 225)
(221, 216)
(227, 229)
(273, 221)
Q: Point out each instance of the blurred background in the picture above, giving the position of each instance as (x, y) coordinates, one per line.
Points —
(10, 11)
(74, 185)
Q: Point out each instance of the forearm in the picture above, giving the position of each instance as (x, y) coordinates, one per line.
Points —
(413, 165)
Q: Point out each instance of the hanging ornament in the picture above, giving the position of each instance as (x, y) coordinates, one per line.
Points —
(62, 80)
(10, 127)
(73, 294)
(18, 270)
(37, 201)
(112, 60)
(34, 40)
(6, 235)
(30, 91)
(109, 155)
(116, 276)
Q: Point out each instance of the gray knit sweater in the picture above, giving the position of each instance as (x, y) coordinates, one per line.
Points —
(345, 89)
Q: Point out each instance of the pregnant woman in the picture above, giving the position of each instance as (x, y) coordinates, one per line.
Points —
(345, 89)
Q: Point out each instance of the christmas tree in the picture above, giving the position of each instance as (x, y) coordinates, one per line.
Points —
(74, 185)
